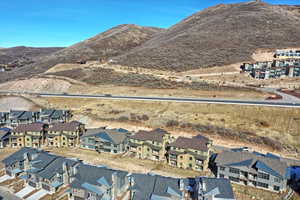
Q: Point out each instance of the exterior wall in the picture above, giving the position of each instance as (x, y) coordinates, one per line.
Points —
(253, 180)
(30, 139)
(63, 139)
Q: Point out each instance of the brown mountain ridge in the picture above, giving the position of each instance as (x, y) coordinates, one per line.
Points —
(219, 35)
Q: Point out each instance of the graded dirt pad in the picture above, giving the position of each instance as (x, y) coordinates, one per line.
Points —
(16, 103)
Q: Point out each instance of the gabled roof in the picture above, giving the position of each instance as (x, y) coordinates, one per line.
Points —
(33, 127)
(154, 135)
(52, 113)
(217, 187)
(15, 114)
(4, 133)
(56, 167)
(190, 143)
(42, 161)
(109, 135)
(252, 161)
(167, 187)
(19, 155)
(69, 126)
(96, 177)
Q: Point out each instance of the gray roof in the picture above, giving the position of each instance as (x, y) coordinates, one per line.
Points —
(19, 155)
(250, 161)
(156, 187)
(42, 160)
(56, 167)
(218, 187)
(110, 135)
(52, 113)
(4, 133)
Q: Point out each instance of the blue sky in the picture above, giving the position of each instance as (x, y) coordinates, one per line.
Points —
(65, 22)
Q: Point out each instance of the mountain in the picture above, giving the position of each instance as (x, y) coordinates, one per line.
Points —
(22, 55)
(219, 35)
(114, 42)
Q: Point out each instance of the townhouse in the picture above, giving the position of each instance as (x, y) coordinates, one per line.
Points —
(17, 162)
(99, 183)
(65, 134)
(47, 172)
(4, 137)
(21, 117)
(105, 140)
(253, 169)
(208, 188)
(150, 144)
(52, 115)
(189, 153)
(28, 135)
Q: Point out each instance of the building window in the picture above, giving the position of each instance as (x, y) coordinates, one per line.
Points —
(276, 188)
(234, 179)
(263, 176)
(234, 171)
(277, 180)
(264, 185)
(190, 166)
(221, 175)
(180, 157)
(222, 168)
(191, 158)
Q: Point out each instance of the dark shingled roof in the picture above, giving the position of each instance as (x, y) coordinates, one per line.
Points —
(19, 155)
(42, 160)
(56, 167)
(154, 135)
(69, 126)
(220, 187)
(252, 161)
(91, 174)
(190, 143)
(33, 127)
(4, 133)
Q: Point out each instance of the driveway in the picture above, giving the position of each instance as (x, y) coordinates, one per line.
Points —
(25, 191)
(36, 196)
(5, 178)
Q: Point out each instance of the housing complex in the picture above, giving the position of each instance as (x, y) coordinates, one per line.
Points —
(285, 64)
(253, 169)
(284, 54)
(48, 173)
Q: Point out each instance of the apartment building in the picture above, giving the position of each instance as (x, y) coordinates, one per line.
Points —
(53, 115)
(28, 135)
(3, 118)
(64, 134)
(150, 144)
(285, 54)
(17, 117)
(4, 137)
(189, 153)
(105, 140)
(253, 169)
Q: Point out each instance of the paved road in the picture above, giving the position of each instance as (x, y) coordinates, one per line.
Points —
(168, 99)
(285, 97)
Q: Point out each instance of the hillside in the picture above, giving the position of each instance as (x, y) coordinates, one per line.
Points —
(22, 55)
(114, 42)
(219, 35)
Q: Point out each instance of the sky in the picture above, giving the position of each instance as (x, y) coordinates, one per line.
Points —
(45, 23)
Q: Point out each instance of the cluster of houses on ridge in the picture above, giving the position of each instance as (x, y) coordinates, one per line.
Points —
(47, 172)
(267, 172)
(285, 64)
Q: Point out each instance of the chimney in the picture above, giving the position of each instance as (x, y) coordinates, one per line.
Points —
(26, 161)
(115, 188)
(65, 173)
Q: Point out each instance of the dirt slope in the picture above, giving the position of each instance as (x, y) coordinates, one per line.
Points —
(218, 36)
